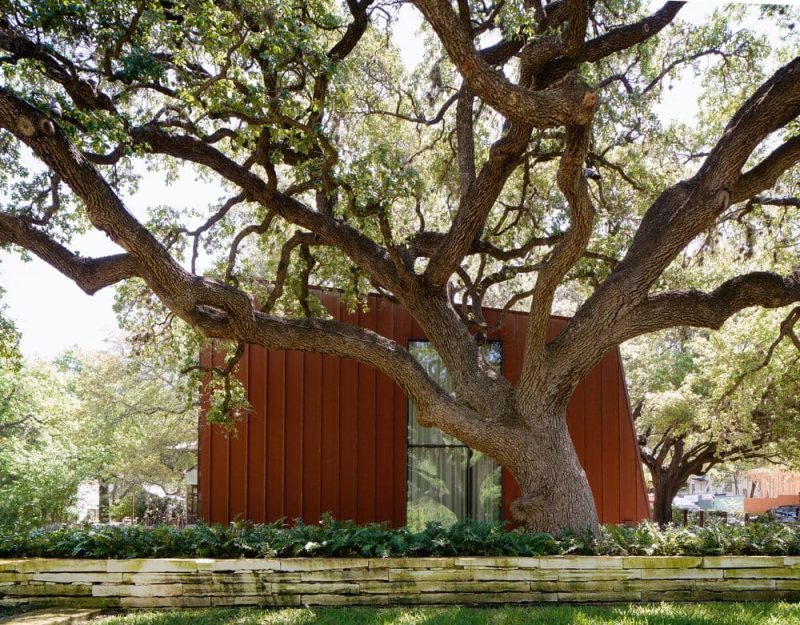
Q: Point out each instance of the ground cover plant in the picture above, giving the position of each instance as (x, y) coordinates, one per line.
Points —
(663, 614)
(345, 539)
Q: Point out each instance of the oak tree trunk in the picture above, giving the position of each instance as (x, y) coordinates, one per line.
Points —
(556, 495)
(665, 488)
(103, 502)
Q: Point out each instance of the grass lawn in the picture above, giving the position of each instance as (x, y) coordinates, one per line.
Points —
(644, 614)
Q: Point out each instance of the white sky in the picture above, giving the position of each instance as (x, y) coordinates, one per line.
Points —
(54, 314)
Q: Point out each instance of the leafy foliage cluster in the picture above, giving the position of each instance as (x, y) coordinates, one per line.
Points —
(332, 538)
(88, 417)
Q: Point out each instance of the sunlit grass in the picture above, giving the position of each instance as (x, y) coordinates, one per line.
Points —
(644, 614)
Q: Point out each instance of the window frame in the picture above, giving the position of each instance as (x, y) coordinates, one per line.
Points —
(470, 469)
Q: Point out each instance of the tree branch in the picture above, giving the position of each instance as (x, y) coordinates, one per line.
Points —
(90, 274)
(569, 249)
(764, 175)
(569, 103)
(711, 310)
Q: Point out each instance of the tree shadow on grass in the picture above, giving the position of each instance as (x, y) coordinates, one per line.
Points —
(641, 614)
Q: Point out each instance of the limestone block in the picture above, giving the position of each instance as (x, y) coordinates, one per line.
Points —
(581, 562)
(314, 588)
(577, 575)
(12, 578)
(412, 563)
(454, 587)
(446, 598)
(166, 578)
(658, 584)
(165, 602)
(661, 562)
(577, 587)
(68, 565)
(47, 590)
(503, 563)
(74, 602)
(78, 578)
(153, 565)
(333, 600)
(290, 578)
(787, 584)
(240, 600)
(441, 575)
(774, 573)
(11, 565)
(595, 597)
(735, 584)
(677, 595)
(744, 562)
(516, 575)
(224, 590)
(128, 590)
(750, 595)
(323, 564)
(240, 564)
(487, 587)
(243, 577)
(342, 576)
(682, 573)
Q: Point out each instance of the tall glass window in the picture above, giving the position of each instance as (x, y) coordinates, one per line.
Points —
(448, 481)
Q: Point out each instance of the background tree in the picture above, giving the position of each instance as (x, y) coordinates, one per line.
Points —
(703, 400)
(38, 480)
(134, 426)
(89, 417)
(445, 188)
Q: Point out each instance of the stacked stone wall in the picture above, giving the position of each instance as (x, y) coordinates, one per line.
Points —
(165, 583)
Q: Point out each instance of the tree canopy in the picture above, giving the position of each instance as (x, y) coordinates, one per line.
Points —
(96, 417)
(704, 399)
(459, 183)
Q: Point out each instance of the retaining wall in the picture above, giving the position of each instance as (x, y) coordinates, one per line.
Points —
(395, 581)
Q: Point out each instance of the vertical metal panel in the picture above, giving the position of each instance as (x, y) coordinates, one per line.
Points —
(293, 444)
(219, 490)
(366, 431)
(257, 435)
(611, 447)
(329, 455)
(384, 431)
(593, 429)
(402, 334)
(329, 435)
(204, 443)
(237, 449)
(348, 432)
(255, 469)
(312, 435)
(276, 410)
(628, 457)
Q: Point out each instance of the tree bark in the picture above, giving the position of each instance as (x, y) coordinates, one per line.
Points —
(103, 502)
(665, 488)
(556, 495)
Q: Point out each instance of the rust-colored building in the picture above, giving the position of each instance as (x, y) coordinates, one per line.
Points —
(333, 435)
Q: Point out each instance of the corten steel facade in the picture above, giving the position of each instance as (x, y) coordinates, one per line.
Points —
(329, 435)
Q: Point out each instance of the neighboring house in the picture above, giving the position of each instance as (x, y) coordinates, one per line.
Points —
(190, 481)
(87, 503)
(332, 435)
(753, 491)
(769, 488)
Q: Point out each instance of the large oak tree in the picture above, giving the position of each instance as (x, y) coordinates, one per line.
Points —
(446, 188)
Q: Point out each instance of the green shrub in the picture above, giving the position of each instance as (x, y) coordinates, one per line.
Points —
(331, 538)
